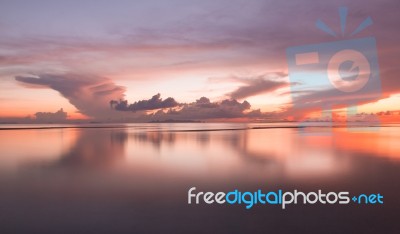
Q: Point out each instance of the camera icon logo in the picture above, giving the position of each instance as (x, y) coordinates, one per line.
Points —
(342, 73)
(360, 71)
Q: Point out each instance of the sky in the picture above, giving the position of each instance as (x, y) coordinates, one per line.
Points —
(150, 60)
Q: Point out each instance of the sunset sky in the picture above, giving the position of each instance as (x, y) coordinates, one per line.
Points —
(80, 55)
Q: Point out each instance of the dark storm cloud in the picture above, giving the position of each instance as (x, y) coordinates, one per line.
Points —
(204, 109)
(156, 102)
(201, 109)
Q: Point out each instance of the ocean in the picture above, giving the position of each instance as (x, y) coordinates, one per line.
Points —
(134, 178)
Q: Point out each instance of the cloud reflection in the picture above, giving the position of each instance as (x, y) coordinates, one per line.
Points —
(222, 152)
(139, 176)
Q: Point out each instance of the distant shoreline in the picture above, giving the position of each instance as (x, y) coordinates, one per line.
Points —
(222, 128)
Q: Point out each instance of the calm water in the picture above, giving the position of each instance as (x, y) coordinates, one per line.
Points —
(134, 178)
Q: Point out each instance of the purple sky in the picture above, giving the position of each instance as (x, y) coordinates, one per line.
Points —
(133, 50)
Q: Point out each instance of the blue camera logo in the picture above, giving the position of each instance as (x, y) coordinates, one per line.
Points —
(341, 73)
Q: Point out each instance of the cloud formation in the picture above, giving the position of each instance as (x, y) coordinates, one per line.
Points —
(59, 115)
(156, 102)
(255, 86)
(90, 94)
(204, 109)
(201, 109)
(94, 95)
(208, 37)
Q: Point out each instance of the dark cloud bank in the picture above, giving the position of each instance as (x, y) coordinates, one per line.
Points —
(201, 109)
(152, 104)
(100, 98)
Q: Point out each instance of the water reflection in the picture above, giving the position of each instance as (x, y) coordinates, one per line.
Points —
(94, 148)
(89, 176)
(210, 155)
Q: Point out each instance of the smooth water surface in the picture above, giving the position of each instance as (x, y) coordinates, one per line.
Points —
(134, 178)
